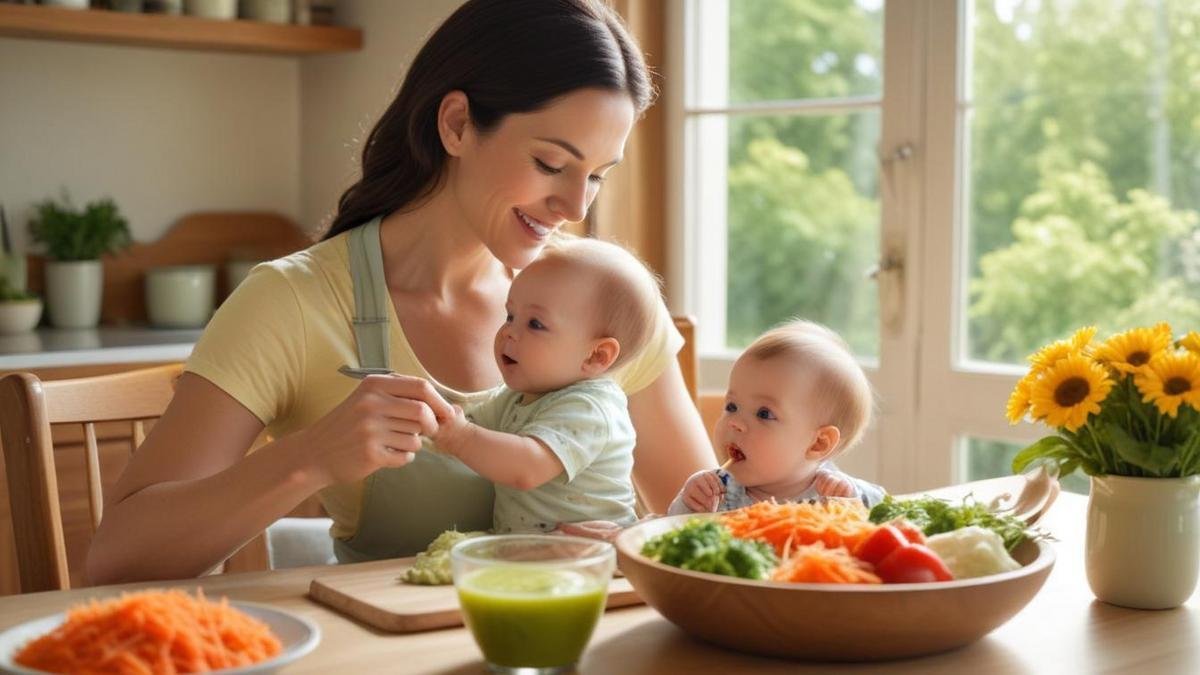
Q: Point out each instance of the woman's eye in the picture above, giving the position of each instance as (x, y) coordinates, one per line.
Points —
(545, 168)
(596, 180)
(764, 414)
(536, 325)
(508, 318)
(731, 407)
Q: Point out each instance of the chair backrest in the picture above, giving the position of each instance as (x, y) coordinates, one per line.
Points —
(28, 406)
(689, 363)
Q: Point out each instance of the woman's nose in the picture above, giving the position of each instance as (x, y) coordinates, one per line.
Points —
(572, 200)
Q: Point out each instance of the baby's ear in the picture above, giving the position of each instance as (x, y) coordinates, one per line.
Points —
(604, 353)
(825, 442)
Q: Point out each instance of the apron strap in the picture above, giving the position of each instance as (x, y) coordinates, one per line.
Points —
(371, 323)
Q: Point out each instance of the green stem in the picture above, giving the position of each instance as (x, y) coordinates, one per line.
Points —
(1100, 449)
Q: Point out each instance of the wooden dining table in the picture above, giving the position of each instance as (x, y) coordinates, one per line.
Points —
(1064, 629)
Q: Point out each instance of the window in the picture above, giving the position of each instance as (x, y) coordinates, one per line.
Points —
(1015, 168)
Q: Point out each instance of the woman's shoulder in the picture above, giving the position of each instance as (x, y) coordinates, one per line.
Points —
(319, 269)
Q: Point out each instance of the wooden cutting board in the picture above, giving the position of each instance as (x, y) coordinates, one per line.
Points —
(376, 597)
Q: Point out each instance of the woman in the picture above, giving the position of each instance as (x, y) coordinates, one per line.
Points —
(504, 128)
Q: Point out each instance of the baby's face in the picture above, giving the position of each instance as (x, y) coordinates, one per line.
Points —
(768, 422)
(547, 335)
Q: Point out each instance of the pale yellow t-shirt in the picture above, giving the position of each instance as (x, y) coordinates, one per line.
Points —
(275, 345)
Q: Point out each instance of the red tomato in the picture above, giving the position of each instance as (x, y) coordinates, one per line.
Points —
(880, 544)
(912, 564)
(911, 532)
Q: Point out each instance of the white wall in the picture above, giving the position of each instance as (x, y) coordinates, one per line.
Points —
(342, 96)
(163, 132)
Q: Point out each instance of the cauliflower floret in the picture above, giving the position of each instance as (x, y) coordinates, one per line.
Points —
(972, 551)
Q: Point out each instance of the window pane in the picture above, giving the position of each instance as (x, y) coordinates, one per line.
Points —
(992, 459)
(795, 49)
(1084, 170)
(803, 218)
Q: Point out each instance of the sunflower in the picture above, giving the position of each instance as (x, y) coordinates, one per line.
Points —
(1191, 342)
(1128, 352)
(1018, 402)
(1069, 391)
(1055, 351)
(1171, 378)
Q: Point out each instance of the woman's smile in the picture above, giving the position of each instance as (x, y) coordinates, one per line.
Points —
(536, 228)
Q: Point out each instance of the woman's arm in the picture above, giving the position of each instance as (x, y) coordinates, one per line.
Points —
(190, 496)
(671, 441)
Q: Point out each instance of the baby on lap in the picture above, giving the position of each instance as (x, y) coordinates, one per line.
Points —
(797, 398)
(556, 438)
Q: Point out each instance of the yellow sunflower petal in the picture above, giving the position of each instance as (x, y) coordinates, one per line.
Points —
(1171, 379)
(1191, 342)
(1069, 391)
(1018, 402)
(1130, 351)
(1059, 349)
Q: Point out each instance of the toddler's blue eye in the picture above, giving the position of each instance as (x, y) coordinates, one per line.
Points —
(731, 407)
(536, 325)
(764, 414)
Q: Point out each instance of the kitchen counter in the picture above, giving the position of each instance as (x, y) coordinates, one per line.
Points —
(56, 347)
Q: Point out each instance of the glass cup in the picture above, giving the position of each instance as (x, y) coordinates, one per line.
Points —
(532, 600)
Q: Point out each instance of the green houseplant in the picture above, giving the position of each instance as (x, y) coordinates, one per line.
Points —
(74, 240)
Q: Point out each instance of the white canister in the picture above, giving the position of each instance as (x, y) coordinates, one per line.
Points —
(211, 9)
(181, 296)
(272, 11)
(236, 272)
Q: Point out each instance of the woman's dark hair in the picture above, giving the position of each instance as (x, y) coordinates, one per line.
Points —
(507, 56)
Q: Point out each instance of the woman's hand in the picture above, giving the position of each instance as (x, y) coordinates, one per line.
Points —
(379, 425)
(703, 491)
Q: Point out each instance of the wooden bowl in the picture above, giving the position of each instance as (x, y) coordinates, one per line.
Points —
(829, 622)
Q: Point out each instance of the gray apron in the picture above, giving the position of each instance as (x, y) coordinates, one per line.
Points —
(403, 509)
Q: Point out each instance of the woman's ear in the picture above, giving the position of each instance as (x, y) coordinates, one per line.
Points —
(824, 444)
(604, 353)
(454, 117)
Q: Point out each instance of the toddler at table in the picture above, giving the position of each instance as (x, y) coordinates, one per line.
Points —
(797, 398)
(556, 438)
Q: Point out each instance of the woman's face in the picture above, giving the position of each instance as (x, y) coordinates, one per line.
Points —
(536, 171)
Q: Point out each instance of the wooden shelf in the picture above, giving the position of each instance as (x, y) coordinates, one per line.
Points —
(173, 32)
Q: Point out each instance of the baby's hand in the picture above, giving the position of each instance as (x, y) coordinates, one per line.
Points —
(450, 430)
(702, 493)
(833, 484)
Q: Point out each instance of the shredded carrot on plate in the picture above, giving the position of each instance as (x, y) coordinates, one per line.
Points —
(816, 564)
(151, 632)
(833, 522)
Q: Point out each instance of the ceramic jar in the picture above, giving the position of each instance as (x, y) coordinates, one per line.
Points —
(1143, 540)
(181, 296)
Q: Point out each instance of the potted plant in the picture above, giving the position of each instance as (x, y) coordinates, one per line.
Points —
(74, 241)
(1126, 412)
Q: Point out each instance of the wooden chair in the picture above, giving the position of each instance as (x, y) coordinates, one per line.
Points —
(689, 362)
(28, 406)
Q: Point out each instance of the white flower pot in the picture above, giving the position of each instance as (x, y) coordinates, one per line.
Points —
(1143, 540)
(74, 290)
(271, 11)
(19, 316)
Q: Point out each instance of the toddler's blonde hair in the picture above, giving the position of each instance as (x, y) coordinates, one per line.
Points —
(625, 293)
(839, 383)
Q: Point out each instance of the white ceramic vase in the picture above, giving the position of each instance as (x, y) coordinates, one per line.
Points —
(1143, 540)
(74, 290)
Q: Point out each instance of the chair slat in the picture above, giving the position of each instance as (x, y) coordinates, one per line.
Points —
(139, 435)
(91, 457)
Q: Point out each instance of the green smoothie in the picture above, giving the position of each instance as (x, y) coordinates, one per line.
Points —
(531, 617)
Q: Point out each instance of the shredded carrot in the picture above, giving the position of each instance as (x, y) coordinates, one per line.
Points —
(833, 522)
(151, 632)
(816, 564)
